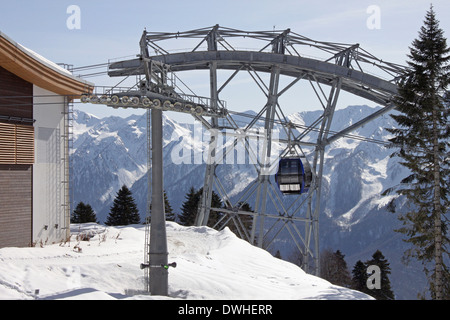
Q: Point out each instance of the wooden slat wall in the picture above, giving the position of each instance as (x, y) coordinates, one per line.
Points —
(24, 144)
(16, 96)
(7, 143)
(16, 150)
(15, 205)
(16, 144)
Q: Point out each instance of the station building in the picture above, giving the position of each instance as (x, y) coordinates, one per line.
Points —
(36, 96)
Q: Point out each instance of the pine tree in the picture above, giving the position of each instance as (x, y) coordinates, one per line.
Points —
(124, 210)
(385, 292)
(327, 264)
(359, 279)
(422, 140)
(296, 257)
(334, 268)
(245, 221)
(342, 275)
(170, 214)
(278, 254)
(83, 213)
(216, 202)
(190, 207)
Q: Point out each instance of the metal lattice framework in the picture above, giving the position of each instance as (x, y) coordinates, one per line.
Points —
(336, 67)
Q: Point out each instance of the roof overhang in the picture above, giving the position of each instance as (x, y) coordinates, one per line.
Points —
(41, 72)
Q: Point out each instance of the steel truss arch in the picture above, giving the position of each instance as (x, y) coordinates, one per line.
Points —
(356, 82)
(342, 67)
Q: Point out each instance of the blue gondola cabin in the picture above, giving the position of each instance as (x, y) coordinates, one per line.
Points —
(293, 176)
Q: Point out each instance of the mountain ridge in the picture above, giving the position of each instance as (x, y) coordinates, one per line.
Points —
(110, 152)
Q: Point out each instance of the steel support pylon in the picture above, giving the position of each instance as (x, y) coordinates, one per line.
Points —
(158, 253)
(158, 280)
(340, 67)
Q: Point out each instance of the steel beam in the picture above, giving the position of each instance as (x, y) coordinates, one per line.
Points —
(354, 81)
(206, 198)
(263, 177)
(360, 123)
(319, 160)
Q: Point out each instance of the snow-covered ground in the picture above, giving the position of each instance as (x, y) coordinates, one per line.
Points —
(210, 265)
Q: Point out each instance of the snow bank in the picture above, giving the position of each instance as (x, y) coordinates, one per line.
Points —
(103, 263)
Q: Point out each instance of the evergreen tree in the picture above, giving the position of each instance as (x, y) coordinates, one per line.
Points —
(296, 257)
(327, 264)
(124, 210)
(359, 279)
(422, 140)
(83, 213)
(216, 202)
(334, 268)
(385, 292)
(189, 208)
(342, 275)
(170, 214)
(246, 221)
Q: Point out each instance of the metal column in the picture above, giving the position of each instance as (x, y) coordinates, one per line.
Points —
(263, 177)
(158, 240)
(67, 137)
(148, 203)
(158, 253)
(319, 160)
(206, 198)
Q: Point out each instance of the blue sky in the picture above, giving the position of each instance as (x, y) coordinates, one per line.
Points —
(111, 29)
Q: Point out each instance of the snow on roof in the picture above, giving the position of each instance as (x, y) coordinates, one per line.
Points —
(42, 60)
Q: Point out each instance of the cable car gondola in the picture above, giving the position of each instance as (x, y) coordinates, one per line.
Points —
(293, 176)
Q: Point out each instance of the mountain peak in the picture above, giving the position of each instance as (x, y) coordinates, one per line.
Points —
(83, 116)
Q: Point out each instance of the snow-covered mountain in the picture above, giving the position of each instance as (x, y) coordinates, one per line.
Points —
(110, 152)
